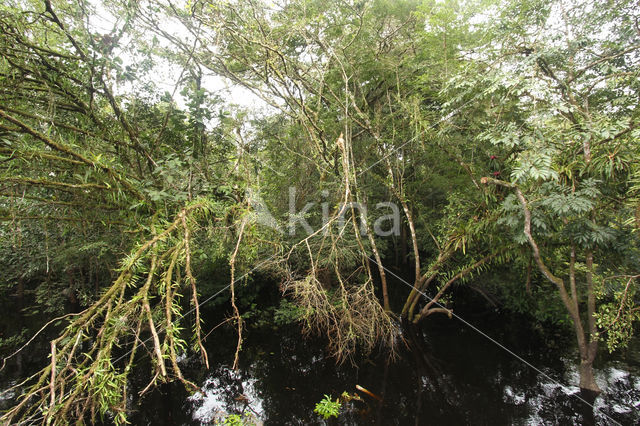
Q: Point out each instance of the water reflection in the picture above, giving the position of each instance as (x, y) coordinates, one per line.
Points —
(446, 376)
(216, 400)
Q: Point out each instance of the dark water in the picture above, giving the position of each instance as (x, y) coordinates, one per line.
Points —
(450, 374)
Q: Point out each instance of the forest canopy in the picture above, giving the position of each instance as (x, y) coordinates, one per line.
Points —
(366, 158)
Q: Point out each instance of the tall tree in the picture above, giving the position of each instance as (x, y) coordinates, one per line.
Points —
(563, 79)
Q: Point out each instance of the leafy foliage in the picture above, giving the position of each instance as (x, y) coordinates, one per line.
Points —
(328, 408)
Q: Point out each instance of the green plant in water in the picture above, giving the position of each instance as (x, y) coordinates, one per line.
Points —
(245, 419)
(328, 407)
(348, 397)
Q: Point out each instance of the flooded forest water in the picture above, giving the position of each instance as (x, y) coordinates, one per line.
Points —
(457, 377)
(446, 373)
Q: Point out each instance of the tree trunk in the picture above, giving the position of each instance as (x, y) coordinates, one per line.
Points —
(404, 251)
(587, 380)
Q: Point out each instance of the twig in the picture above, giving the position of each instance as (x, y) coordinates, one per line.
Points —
(4, 360)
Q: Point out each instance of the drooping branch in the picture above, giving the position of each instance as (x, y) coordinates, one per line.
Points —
(350, 314)
(428, 310)
(68, 151)
(238, 317)
(192, 282)
(73, 384)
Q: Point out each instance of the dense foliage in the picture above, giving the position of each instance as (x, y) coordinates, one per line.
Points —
(135, 188)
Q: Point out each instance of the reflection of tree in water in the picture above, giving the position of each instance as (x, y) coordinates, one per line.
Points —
(443, 375)
(294, 374)
(226, 392)
(431, 382)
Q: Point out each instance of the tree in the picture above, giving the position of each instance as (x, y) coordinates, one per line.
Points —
(562, 93)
